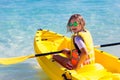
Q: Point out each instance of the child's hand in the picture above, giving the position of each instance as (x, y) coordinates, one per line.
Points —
(66, 51)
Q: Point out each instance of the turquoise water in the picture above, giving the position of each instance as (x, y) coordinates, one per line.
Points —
(20, 19)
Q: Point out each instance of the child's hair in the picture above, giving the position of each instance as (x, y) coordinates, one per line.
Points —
(80, 21)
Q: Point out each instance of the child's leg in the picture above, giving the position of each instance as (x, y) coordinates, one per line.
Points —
(63, 61)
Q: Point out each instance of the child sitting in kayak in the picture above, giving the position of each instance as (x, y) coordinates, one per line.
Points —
(82, 50)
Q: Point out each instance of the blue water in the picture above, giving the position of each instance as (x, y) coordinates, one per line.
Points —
(20, 19)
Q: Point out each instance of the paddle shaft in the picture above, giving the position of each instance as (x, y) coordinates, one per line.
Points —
(44, 54)
(104, 45)
(111, 44)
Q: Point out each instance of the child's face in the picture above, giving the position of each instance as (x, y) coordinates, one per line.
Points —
(75, 26)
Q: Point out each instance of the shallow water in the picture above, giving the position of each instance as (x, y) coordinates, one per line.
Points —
(20, 19)
(23, 71)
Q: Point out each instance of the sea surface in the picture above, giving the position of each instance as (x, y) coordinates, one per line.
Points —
(20, 19)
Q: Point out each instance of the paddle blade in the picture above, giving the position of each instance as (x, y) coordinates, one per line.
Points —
(9, 61)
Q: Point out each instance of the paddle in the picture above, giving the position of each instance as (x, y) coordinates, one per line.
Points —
(106, 45)
(8, 61)
(14, 60)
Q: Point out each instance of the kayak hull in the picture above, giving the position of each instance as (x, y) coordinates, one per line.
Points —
(110, 62)
(106, 65)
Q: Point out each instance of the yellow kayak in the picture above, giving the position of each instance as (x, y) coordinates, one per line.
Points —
(106, 66)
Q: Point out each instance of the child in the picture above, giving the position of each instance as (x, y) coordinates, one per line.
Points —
(82, 50)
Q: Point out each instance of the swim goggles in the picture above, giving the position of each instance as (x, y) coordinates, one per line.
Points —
(75, 24)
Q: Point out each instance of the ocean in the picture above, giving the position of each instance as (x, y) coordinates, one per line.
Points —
(20, 19)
